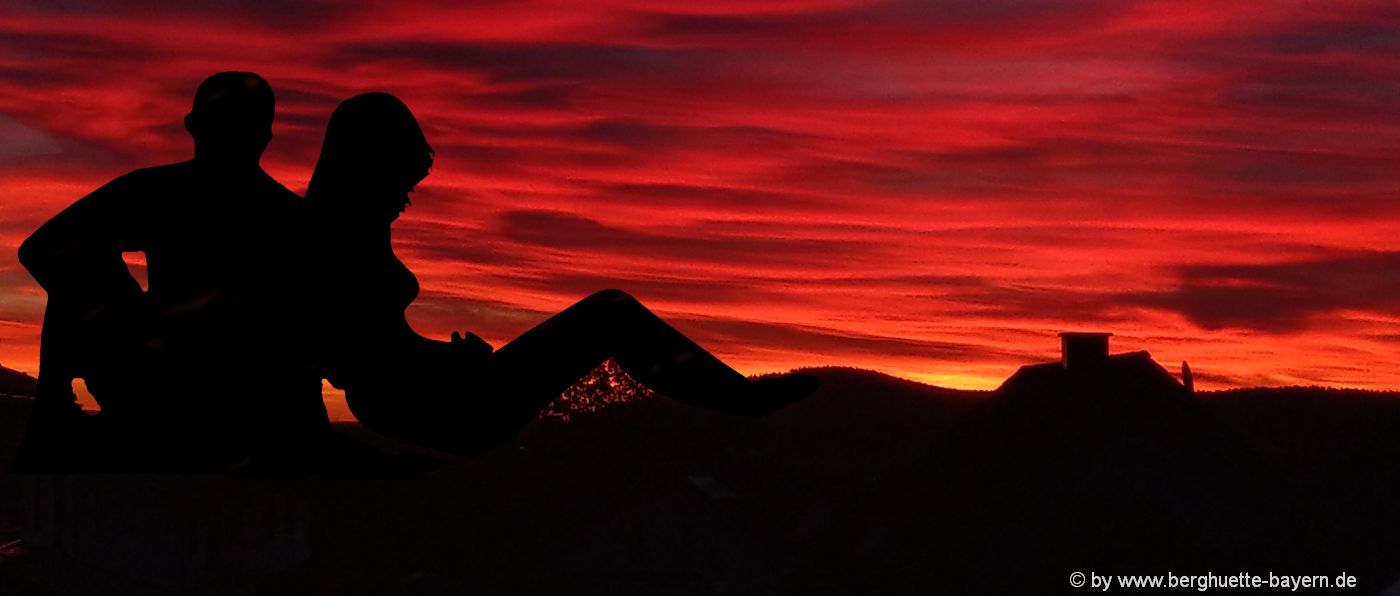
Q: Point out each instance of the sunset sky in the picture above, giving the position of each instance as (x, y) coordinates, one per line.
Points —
(928, 188)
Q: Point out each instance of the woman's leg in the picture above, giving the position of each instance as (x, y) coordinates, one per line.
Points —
(510, 387)
(553, 355)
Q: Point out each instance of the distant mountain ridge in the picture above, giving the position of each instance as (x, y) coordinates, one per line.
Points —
(1242, 393)
(1297, 429)
(874, 484)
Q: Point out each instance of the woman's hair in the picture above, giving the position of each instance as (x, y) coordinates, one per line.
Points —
(373, 148)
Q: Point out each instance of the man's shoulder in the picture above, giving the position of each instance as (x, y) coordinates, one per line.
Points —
(276, 190)
(155, 174)
(183, 168)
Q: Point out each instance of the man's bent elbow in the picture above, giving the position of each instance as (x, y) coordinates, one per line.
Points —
(36, 258)
(29, 254)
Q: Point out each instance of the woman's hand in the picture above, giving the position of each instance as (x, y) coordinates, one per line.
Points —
(471, 344)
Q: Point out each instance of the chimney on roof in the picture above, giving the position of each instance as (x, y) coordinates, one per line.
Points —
(1083, 351)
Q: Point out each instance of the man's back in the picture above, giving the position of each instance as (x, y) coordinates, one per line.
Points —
(221, 261)
(217, 245)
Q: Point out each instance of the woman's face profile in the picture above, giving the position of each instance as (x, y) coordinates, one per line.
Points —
(409, 183)
(376, 154)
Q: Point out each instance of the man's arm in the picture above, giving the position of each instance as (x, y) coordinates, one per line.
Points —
(79, 250)
(76, 257)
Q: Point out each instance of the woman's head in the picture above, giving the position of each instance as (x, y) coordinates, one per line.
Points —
(373, 155)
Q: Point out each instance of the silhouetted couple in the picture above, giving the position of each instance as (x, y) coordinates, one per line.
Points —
(254, 295)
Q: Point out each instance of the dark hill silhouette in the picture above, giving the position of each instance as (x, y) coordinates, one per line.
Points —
(1350, 520)
(16, 396)
(16, 391)
(14, 383)
(855, 487)
(1303, 432)
(1104, 463)
(650, 496)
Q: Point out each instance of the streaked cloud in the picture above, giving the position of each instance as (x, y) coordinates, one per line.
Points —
(928, 188)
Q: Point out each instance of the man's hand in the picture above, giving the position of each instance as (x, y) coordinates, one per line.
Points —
(471, 344)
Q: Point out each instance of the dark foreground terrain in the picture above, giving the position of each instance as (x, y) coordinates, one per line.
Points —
(872, 486)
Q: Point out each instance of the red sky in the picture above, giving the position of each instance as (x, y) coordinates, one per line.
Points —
(928, 188)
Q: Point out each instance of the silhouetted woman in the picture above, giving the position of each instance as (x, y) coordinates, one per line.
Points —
(460, 394)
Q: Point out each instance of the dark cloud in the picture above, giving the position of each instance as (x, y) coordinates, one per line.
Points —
(274, 14)
(558, 230)
(46, 48)
(539, 96)
(829, 345)
(1284, 296)
(678, 195)
(448, 245)
(902, 23)
(438, 314)
(528, 62)
(645, 287)
(647, 136)
(1030, 303)
(1374, 33)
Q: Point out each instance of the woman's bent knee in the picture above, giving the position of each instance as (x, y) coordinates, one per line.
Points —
(611, 297)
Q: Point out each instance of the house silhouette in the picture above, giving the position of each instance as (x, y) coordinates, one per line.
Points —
(1094, 461)
(1087, 370)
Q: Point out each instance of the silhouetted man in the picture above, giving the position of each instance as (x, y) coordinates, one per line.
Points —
(199, 372)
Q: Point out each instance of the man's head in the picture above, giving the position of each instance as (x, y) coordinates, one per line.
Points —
(231, 120)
